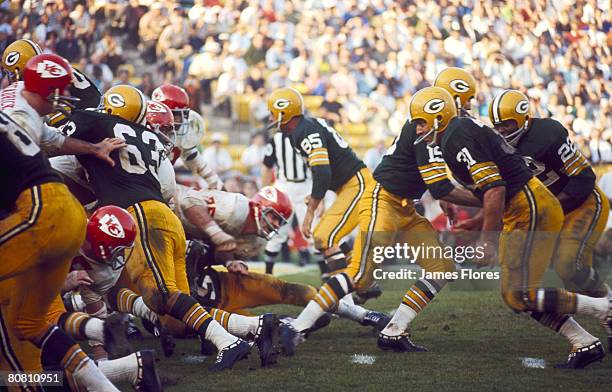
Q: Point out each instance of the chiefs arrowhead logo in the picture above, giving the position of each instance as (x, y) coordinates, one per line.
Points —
(269, 193)
(155, 107)
(48, 69)
(157, 95)
(110, 225)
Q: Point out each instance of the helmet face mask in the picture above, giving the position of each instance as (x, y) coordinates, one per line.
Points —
(161, 121)
(436, 108)
(509, 114)
(177, 100)
(269, 222)
(116, 257)
(284, 104)
(181, 121)
(271, 209)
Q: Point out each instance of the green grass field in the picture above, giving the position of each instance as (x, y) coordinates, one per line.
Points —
(475, 343)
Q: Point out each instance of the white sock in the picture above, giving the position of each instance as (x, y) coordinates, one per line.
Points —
(89, 376)
(401, 320)
(577, 336)
(350, 310)
(218, 335)
(123, 369)
(94, 329)
(309, 315)
(241, 326)
(594, 307)
(141, 310)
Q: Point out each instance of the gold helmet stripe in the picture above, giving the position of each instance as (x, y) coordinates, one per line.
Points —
(495, 108)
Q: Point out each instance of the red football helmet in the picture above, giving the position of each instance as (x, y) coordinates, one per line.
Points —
(49, 75)
(177, 100)
(271, 208)
(110, 231)
(161, 121)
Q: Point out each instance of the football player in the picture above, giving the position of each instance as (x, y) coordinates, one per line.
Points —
(558, 163)
(37, 202)
(157, 265)
(190, 129)
(334, 166)
(387, 213)
(519, 206)
(250, 222)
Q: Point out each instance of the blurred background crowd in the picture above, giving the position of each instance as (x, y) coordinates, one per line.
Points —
(357, 62)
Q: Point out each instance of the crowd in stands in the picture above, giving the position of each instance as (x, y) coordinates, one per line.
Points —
(357, 62)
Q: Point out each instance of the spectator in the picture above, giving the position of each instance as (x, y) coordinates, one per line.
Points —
(150, 28)
(601, 150)
(256, 52)
(254, 154)
(69, 47)
(374, 155)
(109, 50)
(146, 85)
(205, 68)
(217, 157)
(331, 109)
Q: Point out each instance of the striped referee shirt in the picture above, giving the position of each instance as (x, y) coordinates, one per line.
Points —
(290, 166)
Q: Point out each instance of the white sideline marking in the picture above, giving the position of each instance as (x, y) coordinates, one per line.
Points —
(363, 359)
(533, 363)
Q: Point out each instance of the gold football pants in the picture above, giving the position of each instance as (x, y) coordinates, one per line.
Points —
(581, 231)
(532, 221)
(384, 220)
(239, 292)
(343, 215)
(37, 244)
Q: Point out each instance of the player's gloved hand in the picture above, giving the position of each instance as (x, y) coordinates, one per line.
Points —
(103, 149)
(76, 279)
(237, 266)
(223, 241)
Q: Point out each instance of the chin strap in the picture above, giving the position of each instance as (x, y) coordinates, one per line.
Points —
(514, 137)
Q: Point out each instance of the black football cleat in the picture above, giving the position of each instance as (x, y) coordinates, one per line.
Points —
(228, 356)
(289, 338)
(116, 341)
(584, 356)
(165, 339)
(375, 319)
(400, 343)
(148, 378)
(267, 331)
(372, 292)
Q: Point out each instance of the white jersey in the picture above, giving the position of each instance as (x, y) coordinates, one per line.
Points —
(229, 210)
(186, 147)
(17, 108)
